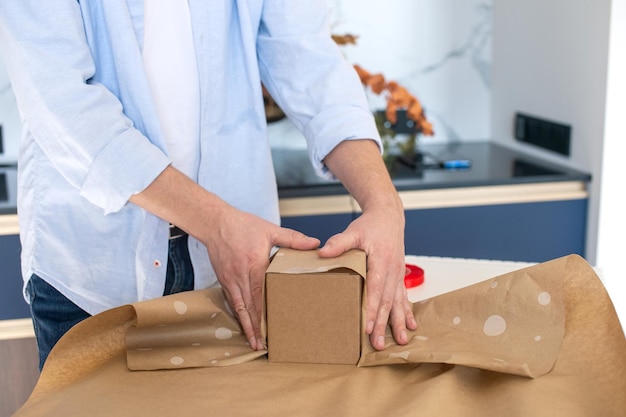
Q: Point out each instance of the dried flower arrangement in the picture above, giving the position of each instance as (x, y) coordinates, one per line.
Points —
(398, 97)
(398, 100)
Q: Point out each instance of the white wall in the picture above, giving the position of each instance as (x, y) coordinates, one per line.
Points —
(612, 225)
(440, 50)
(550, 59)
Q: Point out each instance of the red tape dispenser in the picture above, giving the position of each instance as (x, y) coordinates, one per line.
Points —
(413, 276)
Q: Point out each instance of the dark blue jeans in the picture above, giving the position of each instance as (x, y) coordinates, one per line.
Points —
(53, 314)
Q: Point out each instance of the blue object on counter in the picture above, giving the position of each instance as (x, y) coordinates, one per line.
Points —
(456, 164)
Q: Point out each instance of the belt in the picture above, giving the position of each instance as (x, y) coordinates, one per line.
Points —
(176, 232)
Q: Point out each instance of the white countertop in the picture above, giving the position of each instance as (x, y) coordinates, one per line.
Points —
(443, 275)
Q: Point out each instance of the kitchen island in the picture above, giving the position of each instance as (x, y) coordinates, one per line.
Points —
(468, 200)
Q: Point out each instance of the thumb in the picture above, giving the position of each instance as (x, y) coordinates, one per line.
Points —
(290, 238)
(337, 245)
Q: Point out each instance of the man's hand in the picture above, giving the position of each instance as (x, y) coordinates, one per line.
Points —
(379, 231)
(376, 234)
(238, 243)
(239, 246)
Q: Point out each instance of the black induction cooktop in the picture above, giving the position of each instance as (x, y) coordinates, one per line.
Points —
(434, 166)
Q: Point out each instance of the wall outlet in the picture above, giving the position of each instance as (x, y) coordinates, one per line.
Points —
(546, 134)
(4, 188)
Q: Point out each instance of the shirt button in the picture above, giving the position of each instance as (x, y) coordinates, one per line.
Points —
(156, 263)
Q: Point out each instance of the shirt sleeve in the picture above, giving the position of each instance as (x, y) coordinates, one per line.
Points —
(77, 122)
(305, 73)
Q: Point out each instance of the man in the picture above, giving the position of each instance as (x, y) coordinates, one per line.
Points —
(138, 116)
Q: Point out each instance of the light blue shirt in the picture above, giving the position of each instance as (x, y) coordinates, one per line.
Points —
(91, 137)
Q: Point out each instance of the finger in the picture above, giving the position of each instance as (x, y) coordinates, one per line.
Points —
(293, 239)
(379, 305)
(398, 318)
(386, 293)
(411, 323)
(238, 305)
(257, 279)
(379, 332)
(253, 326)
(338, 244)
(242, 299)
(374, 292)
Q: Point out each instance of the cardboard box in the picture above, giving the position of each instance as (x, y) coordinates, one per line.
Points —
(313, 307)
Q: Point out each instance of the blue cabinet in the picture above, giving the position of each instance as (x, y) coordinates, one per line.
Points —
(12, 304)
(321, 226)
(528, 232)
(507, 206)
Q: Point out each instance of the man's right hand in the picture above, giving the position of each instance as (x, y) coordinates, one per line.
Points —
(238, 243)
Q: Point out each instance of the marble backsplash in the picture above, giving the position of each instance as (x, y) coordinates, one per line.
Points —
(440, 50)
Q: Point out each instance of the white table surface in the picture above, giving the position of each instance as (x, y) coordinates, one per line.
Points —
(443, 275)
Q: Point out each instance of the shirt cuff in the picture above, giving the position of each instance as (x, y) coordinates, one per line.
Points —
(331, 127)
(126, 166)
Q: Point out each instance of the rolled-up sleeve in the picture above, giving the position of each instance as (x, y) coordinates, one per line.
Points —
(306, 74)
(78, 123)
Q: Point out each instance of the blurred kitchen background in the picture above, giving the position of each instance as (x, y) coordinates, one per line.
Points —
(473, 64)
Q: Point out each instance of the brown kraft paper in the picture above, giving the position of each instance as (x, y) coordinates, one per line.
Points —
(87, 372)
(513, 324)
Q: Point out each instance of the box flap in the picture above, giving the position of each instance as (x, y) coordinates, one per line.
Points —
(306, 262)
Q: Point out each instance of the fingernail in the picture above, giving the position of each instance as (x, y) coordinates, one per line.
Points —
(260, 345)
(370, 327)
(403, 337)
(252, 343)
(380, 342)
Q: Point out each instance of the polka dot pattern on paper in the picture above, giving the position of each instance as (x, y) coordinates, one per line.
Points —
(184, 330)
(494, 325)
(544, 298)
(223, 333)
(176, 360)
